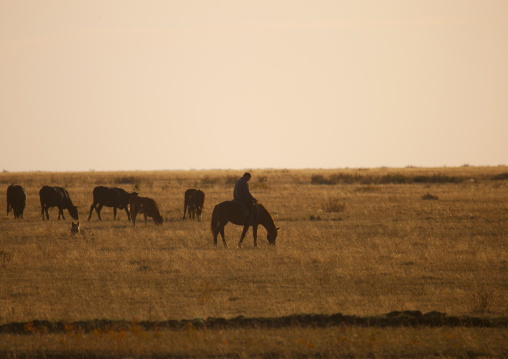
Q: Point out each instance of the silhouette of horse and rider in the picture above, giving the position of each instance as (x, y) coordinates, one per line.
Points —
(244, 210)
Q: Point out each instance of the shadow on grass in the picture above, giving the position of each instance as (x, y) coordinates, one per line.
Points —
(392, 319)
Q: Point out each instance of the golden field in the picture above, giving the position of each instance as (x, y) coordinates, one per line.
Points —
(360, 242)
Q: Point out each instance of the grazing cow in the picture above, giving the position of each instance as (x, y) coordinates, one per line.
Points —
(57, 197)
(16, 200)
(193, 203)
(146, 206)
(110, 197)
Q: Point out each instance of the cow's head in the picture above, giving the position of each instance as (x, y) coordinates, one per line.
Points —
(73, 211)
(157, 219)
(199, 210)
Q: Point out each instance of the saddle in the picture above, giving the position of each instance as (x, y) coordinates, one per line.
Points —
(245, 211)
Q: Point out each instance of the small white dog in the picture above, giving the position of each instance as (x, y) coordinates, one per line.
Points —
(75, 228)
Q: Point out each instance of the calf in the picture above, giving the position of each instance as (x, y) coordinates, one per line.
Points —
(110, 197)
(57, 197)
(146, 206)
(16, 200)
(193, 203)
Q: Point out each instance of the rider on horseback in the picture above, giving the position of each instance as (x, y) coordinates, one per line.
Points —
(242, 196)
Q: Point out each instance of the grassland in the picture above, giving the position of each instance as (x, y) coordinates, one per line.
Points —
(361, 242)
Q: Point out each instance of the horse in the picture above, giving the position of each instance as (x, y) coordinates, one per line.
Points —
(227, 211)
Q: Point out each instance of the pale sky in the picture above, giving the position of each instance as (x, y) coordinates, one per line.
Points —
(211, 84)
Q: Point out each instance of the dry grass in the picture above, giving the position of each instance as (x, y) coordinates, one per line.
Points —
(350, 342)
(389, 250)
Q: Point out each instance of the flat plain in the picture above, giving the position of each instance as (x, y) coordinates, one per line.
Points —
(362, 242)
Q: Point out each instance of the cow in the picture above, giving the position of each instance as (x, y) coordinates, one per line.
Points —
(110, 197)
(57, 197)
(146, 206)
(16, 200)
(193, 203)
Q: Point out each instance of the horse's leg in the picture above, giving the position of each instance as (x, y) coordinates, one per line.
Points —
(223, 238)
(255, 234)
(244, 232)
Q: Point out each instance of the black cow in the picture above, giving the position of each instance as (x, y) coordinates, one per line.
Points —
(146, 206)
(16, 200)
(110, 197)
(57, 197)
(193, 203)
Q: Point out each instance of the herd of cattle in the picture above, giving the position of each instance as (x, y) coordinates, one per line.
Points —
(118, 198)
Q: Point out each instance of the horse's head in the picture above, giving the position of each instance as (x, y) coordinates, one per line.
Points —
(272, 236)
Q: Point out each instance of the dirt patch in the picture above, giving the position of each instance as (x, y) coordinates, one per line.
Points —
(392, 319)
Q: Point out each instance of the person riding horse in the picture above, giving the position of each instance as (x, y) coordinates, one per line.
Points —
(244, 210)
(242, 196)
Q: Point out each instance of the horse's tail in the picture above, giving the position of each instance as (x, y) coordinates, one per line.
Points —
(215, 219)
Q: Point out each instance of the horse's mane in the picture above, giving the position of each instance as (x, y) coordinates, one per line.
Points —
(266, 213)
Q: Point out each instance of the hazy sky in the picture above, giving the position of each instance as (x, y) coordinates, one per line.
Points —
(147, 85)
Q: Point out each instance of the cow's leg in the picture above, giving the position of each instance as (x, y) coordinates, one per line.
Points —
(146, 219)
(45, 209)
(184, 210)
(92, 207)
(215, 234)
(128, 214)
(98, 209)
(223, 238)
(134, 214)
(61, 213)
(244, 232)
(114, 212)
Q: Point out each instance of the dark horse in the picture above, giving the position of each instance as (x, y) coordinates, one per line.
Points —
(228, 212)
